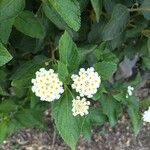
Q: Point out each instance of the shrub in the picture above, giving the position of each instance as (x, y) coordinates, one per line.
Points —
(91, 55)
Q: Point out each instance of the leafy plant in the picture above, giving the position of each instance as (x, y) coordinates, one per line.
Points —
(111, 36)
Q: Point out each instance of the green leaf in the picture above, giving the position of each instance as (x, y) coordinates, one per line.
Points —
(29, 118)
(85, 51)
(103, 54)
(105, 69)
(63, 72)
(3, 83)
(67, 125)
(133, 111)
(86, 128)
(23, 75)
(51, 13)
(83, 4)
(116, 43)
(3, 131)
(5, 29)
(120, 96)
(109, 57)
(97, 6)
(109, 5)
(29, 24)
(146, 62)
(3, 76)
(99, 92)
(8, 106)
(111, 108)
(146, 6)
(3, 92)
(145, 103)
(95, 34)
(117, 23)
(69, 11)
(100, 50)
(68, 52)
(96, 116)
(10, 8)
(5, 56)
(34, 100)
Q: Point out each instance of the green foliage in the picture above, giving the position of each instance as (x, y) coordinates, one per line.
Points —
(5, 29)
(28, 24)
(63, 72)
(28, 118)
(68, 52)
(5, 56)
(23, 75)
(99, 119)
(113, 36)
(69, 11)
(117, 23)
(8, 106)
(145, 103)
(97, 6)
(10, 8)
(53, 15)
(22, 119)
(133, 111)
(105, 73)
(67, 125)
(111, 108)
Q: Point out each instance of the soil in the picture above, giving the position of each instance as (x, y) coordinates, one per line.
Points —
(120, 137)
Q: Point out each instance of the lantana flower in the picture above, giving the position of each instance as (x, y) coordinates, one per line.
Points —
(146, 115)
(47, 85)
(80, 106)
(86, 82)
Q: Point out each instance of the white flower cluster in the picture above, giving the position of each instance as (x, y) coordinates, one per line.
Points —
(47, 85)
(146, 115)
(130, 90)
(87, 82)
(80, 106)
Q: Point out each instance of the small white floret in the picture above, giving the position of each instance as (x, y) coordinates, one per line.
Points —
(130, 90)
(80, 106)
(146, 116)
